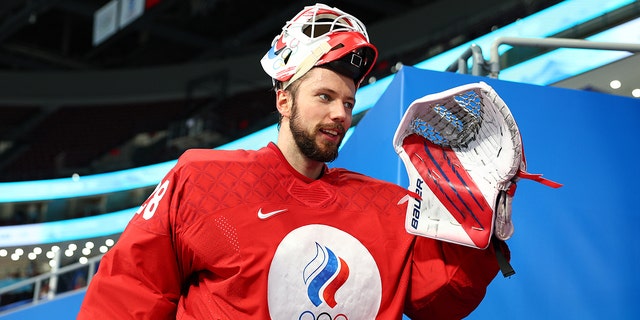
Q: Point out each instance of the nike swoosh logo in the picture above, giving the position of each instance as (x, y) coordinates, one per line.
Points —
(266, 215)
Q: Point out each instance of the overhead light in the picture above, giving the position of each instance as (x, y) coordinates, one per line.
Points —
(615, 84)
(636, 93)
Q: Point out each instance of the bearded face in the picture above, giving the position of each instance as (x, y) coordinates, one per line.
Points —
(307, 141)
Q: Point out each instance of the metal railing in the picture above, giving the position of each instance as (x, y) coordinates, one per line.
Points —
(481, 67)
(37, 283)
(494, 62)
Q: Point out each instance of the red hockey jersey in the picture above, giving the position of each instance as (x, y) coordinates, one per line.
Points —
(242, 235)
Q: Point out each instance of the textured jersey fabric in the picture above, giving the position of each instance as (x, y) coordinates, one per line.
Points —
(242, 235)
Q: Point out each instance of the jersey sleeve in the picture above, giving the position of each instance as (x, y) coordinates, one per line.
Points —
(448, 281)
(141, 276)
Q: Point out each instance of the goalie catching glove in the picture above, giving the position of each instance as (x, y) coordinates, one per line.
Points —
(463, 153)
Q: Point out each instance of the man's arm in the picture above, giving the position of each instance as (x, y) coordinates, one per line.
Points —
(449, 281)
(140, 277)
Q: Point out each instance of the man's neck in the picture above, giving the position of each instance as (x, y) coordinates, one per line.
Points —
(305, 166)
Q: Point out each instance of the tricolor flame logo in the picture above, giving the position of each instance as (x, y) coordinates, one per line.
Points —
(324, 275)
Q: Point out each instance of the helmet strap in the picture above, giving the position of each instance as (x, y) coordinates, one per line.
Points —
(308, 62)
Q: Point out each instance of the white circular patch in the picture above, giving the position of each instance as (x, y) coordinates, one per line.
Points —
(322, 273)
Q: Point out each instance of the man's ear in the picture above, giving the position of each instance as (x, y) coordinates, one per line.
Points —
(284, 102)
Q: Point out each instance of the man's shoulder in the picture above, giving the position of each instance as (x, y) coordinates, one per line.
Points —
(208, 157)
(226, 166)
(357, 177)
(196, 155)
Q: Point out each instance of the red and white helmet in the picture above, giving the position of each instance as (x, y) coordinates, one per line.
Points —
(320, 35)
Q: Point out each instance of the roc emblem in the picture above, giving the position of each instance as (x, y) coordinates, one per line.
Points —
(319, 272)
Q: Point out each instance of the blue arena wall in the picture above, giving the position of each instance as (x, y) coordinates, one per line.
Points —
(574, 248)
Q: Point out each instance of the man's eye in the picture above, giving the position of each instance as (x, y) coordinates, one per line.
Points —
(324, 97)
(348, 105)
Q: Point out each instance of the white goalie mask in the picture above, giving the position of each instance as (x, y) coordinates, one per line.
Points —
(320, 35)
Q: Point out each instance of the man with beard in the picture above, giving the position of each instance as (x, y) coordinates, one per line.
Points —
(275, 233)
